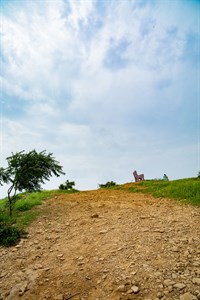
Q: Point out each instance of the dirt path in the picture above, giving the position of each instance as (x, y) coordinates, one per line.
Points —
(106, 244)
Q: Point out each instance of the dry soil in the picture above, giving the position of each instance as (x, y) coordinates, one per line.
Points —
(106, 245)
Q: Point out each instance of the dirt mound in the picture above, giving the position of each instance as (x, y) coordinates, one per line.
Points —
(106, 244)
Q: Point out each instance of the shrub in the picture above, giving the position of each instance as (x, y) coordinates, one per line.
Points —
(9, 235)
(108, 184)
(68, 185)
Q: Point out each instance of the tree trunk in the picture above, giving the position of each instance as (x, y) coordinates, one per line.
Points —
(10, 199)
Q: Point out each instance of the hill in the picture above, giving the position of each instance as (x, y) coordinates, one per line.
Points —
(106, 244)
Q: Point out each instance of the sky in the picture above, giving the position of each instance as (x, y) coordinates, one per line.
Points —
(107, 86)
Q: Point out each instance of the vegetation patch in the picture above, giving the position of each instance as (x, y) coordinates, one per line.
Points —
(9, 235)
(185, 190)
(24, 213)
(108, 184)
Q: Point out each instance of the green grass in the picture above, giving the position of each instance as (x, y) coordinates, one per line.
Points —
(24, 213)
(26, 201)
(184, 190)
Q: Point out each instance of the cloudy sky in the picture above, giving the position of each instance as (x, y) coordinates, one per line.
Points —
(107, 86)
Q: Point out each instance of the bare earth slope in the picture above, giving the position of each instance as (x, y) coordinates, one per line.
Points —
(106, 244)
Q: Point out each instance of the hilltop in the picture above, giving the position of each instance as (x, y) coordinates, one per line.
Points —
(107, 244)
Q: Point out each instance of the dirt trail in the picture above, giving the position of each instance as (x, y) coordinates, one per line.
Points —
(106, 244)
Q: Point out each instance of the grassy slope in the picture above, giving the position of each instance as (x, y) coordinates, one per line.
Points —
(185, 190)
(23, 214)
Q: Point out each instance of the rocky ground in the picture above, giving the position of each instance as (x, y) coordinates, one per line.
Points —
(106, 244)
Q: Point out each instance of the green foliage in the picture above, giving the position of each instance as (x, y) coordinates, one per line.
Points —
(108, 184)
(11, 229)
(23, 213)
(4, 176)
(198, 176)
(68, 185)
(186, 190)
(28, 171)
(9, 235)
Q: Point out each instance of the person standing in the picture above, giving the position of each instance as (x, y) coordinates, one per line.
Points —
(165, 178)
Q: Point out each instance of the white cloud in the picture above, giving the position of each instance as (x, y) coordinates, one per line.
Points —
(105, 89)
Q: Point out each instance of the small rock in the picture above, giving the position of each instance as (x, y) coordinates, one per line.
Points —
(196, 281)
(95, 216)
(158, 230)
(3, 274)
(81, 258)
(170, 288)
(23, 288)
(179, 286)
(159, 295)
(59, 297)
(37, 266)
(18, 289)
(100, 259)
(103, 231)
(168, 282)
(60, 255)
(121, 288)
(197, 292)
(135, 289)
(134, 273)
(188, 296)
(175, 249)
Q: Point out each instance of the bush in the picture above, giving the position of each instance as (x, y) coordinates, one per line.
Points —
(9, 235)
(108, 184)
(67, 185)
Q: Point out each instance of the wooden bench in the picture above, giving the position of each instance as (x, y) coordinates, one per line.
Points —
(138, 177)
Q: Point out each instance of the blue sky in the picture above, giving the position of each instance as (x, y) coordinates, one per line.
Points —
(108, 86)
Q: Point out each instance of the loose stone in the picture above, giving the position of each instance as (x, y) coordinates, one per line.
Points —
(179, 286)
(188, 296)
(135, 289)
(121, 288)
(196, 281)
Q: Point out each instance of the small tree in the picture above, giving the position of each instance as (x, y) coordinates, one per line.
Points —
(28, 171)
(198, 175)
(68, 185)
